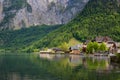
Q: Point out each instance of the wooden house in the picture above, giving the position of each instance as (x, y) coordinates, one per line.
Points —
(75, 49)
(118, 47)
(110, 44)
(105, 39)
(48, 51)
(57, 50)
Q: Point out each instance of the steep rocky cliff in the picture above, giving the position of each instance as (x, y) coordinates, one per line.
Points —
(15, 14)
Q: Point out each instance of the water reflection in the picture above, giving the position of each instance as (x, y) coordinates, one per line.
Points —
(18, 76)
(14, 76)
(47, 56)
(96, 63)
(53, 67)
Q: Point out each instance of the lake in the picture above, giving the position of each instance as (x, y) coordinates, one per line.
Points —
(24, 66)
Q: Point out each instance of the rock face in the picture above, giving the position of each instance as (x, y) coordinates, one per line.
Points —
(16, 14)
(1, 9)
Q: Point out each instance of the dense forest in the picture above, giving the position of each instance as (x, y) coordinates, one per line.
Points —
(98, 18)
(20, 39)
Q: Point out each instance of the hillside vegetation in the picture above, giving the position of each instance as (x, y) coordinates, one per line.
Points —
(99, 18)
(20, 39)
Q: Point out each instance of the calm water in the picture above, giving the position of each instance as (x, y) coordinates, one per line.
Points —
(56, 67)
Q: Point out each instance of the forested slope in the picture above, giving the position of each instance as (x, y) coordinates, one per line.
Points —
(99, 18)
(20, 39)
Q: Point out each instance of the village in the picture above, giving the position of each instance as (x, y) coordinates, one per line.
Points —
(99, 47)
(108, 47)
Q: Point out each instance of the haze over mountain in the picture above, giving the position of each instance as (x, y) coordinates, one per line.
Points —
(16, 14)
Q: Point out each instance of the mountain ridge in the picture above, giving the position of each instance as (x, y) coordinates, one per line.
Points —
(17, 14)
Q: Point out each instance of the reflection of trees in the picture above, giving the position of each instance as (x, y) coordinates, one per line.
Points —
(96, 64)
(32, 65)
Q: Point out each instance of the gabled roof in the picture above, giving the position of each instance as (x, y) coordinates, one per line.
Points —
(103, 39)
(76, 47)
(56, 49)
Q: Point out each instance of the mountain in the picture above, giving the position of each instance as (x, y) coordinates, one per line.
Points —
(98, 18)
(17, 14)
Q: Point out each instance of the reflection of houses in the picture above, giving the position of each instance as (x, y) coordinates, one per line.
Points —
(47, 56)
(75, 49)
(75, 59)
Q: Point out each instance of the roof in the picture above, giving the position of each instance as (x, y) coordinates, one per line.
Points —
(79, 45)
(87, 41)
(74, 48)
(103, 39)
(56, 49)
